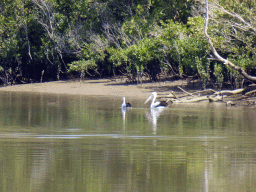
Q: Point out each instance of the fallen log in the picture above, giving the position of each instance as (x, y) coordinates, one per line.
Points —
(216, 98)
(230, 92)
(204, 91)
(250, 92)
(186, 91)
(230, 97)
(197, 99)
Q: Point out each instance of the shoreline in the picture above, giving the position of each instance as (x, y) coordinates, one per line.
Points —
(112, 88)
(99, 87)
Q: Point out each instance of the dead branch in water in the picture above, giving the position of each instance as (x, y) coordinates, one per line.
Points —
(230, 97)
(185, 91)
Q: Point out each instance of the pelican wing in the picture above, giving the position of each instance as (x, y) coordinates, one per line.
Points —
(163, 103)
(156, 104)
(128, 105)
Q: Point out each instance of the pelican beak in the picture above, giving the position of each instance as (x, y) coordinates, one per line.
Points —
(148, 99)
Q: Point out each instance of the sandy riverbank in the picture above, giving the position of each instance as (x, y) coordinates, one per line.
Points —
(101, 87)
(106, 87)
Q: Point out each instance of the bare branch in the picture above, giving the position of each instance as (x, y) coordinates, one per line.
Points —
(234, 15)
(225, 61)
(47, 18)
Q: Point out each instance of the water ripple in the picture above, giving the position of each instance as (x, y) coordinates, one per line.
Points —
(112, 136)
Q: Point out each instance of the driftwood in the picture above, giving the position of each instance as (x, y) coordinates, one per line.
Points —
(251, 92)
(230, 97)
(185, 91)
(203, 98)
(230, 92)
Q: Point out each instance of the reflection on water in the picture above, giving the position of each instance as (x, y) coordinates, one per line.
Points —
(153, 116)
(123, 116)
(76, 143)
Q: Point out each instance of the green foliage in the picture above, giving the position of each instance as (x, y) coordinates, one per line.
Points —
(185, 45)
(117, 56)
(82, 66)
(218, 72)
(232, 37)
(91, 55)
(155, 36)
(203, 70)
(172, 9)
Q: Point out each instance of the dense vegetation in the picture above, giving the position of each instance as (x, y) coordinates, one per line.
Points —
(54, 39)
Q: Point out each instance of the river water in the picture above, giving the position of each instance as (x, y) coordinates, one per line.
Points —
(80, 143)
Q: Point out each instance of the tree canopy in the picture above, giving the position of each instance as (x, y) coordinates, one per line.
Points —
(53, 39)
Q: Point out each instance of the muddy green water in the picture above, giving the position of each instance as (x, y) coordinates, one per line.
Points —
(79, 143)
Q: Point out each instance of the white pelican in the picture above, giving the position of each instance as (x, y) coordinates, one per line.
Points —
(125, 105)
(154, 103)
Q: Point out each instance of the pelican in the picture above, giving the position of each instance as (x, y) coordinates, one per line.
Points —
(154, 103)
(125, 105)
